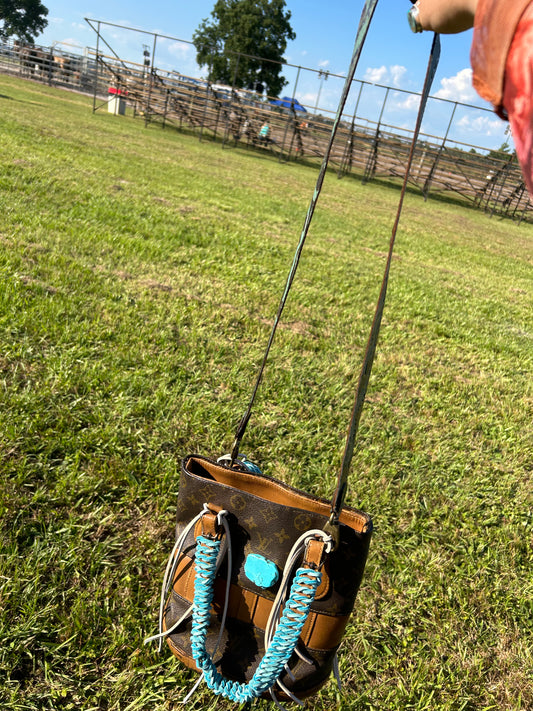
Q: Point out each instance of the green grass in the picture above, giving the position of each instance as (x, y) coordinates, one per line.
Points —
(140, 272)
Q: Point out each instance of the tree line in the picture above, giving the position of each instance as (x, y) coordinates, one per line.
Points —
(241, 44)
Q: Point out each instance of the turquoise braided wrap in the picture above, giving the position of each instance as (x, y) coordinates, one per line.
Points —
(293, 618)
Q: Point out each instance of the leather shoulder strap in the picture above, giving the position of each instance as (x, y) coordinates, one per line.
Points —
(364, 24)
(364, 377)
(342, 479)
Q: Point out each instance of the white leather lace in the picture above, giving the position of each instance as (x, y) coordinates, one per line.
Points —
(293, 558)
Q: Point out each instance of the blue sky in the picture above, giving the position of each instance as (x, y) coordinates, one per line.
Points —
(325, 34)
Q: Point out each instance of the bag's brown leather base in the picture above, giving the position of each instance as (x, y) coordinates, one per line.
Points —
(266, 517)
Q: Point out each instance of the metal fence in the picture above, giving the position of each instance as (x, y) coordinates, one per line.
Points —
(61, 65)
(368, 144)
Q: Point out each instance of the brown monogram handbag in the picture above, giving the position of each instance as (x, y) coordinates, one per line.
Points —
(262, 579)
(265, 518)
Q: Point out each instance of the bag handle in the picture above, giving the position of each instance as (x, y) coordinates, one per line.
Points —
(364, 24)
(364, 377)
(366, 369)
(281, 647)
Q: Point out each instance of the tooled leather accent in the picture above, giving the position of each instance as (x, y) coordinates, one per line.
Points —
(314, 556)
(208, 524)
(272, 490)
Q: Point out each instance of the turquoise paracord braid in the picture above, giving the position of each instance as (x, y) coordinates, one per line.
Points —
(285, 638)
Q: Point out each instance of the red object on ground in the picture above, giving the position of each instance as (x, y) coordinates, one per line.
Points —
(118, 92)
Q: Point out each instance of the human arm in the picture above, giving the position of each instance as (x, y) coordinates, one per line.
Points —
(445, 16)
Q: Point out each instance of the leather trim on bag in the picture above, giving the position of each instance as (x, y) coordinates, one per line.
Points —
(273, 490)
(180, 653)
(314, 556)
(321, 632)
(314, 553)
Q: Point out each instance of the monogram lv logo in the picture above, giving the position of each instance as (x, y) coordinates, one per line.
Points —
(237, 502)
(268, 515)
(193, 499)
(263, 543)
(281, 536)
(302, 522)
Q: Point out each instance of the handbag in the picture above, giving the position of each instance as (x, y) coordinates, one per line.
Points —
(262, 578)
(270, 544)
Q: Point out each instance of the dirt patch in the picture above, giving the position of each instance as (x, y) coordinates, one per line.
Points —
(162, 201)
(299, 327)
(156, 285)
(30, 281)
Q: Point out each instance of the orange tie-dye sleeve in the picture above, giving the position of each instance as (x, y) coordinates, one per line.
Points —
(518, 93)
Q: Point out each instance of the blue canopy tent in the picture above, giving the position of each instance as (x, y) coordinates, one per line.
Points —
(287, 102)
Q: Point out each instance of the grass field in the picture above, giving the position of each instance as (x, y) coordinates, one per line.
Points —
(140, 273)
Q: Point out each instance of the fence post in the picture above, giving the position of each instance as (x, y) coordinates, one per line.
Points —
(97, 65)
(289, 120)
(370, 168)
(147, 109)
(427, 183)
(347, 157)
(504, 173)
(227, 128)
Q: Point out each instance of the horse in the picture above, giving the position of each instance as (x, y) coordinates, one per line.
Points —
(62, 67)
(34, 61)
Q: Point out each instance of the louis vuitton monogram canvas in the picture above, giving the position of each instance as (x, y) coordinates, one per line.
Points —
(265, 517)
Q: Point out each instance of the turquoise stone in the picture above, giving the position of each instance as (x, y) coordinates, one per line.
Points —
(260, 571)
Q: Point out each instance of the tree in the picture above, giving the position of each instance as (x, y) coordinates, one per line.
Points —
(22, 18)
(502, 153)
(258, 29)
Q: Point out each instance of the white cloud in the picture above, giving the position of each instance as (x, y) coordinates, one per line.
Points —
(308, 98)
(397, 72)
(410, 103)
(324, 63)
(458, 87)
(392, 75)
(68, 43)
(375, 75)
(180, 49)
(483, 125)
